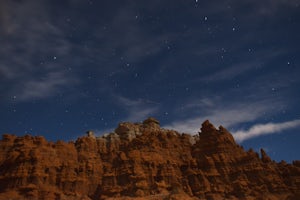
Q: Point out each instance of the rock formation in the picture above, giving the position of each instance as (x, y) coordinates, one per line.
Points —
(142, 161)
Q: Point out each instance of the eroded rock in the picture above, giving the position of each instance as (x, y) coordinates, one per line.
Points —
(142, 161)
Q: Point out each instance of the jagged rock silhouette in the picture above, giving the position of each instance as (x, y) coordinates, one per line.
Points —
(142, 161)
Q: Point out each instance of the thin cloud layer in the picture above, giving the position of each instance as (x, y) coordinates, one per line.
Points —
(137, 110)
(227, 117)
(32, 50)
(43, 88)
(265, 129)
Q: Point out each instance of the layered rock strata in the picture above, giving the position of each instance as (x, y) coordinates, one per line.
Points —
(142, 161)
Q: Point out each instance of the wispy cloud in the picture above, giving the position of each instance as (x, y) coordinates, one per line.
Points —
(124, 39)
(41, 44)
(227, 116)
(258, 7)
(33, 52)
(133, 45)
(258, 60)
(267, 7)
(138, 109)
(232, 71)
(233, 116)
(265, 129)
(42, 88)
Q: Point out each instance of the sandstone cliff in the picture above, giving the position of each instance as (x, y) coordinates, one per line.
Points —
(143, 161)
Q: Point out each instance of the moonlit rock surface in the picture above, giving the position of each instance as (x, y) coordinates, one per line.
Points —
(142, 161)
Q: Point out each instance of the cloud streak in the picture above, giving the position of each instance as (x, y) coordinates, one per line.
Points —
(38, 89)
(24, 58)
(227, 116)
(33, 53)
(265, 129)
(137, 109)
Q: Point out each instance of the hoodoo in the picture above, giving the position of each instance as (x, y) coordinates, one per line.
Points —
(143, 161)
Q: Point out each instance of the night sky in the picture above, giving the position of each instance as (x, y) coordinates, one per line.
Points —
(68, 66)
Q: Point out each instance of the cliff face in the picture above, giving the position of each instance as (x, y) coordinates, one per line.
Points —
(142, 161)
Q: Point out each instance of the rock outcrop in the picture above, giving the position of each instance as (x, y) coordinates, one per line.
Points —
(142, 161)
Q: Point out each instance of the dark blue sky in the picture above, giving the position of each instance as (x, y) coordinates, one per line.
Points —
(75, 65)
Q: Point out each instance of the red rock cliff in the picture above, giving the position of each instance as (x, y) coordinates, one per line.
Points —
(142, 161)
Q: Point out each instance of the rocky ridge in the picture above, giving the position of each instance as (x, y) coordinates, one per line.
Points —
(142, 161)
